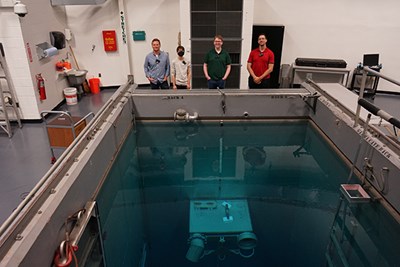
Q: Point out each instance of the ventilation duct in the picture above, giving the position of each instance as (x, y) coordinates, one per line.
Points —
(76, 2)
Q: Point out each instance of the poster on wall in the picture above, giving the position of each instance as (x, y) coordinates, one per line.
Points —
(110, 41)
(29, 52)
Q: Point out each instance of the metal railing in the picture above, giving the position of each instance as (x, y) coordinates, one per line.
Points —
(370, 107)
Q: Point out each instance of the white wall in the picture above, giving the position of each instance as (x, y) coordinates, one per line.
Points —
(14, 48)
(313, 28)
(17, 34)
(87, 23)
(159, 19)
(337, 29)
(184, 21)
(36, 28)
(247, 34)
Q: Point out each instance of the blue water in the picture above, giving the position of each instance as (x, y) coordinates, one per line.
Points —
(288, 174)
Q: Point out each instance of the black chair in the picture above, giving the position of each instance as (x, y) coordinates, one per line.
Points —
(371, 85)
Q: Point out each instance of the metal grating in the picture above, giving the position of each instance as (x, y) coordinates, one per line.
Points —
(203, 5)
(207, 24)
(211, 17)
(229, 5)
(217, 5)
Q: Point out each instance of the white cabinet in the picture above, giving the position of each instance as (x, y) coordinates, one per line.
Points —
(319, 75)
(76, 2)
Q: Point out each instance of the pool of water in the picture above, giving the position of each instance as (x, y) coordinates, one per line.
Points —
(286, 173)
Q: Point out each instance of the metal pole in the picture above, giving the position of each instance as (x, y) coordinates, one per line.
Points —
(359, 147)
(376, 73)
(360, 96)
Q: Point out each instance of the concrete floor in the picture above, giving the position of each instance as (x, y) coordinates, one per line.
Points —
(26, 157)
(388, 102)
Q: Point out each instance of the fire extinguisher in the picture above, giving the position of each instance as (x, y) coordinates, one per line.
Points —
(40, 85)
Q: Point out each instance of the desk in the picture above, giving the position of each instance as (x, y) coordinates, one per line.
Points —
(371, 83)
(319, 75)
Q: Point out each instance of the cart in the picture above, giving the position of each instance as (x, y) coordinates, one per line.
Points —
(62, 129)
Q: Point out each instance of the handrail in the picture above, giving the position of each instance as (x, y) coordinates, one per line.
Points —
(380, 75)
(379, 112)
(366, 70)
(388, 141)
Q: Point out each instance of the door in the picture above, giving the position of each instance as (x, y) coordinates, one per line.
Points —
(275, 42)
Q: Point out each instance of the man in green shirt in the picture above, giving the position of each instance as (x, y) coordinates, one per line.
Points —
(217, 65)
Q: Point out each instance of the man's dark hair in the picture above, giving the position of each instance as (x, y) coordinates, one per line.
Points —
(219, 36)
(262, 34)
(156, 40)
(180, 48)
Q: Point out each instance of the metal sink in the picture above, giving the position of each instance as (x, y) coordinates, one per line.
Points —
(76, 77)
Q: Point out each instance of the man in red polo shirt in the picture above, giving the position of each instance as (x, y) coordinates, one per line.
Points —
(260, 64)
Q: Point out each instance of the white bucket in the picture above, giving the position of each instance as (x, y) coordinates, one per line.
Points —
(70, 96)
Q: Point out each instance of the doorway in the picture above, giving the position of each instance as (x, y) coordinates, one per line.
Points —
(275, 42)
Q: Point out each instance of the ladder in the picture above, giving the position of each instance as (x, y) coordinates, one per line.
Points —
(8, 102)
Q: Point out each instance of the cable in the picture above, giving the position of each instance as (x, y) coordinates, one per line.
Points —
(247, 256)
(239, 252)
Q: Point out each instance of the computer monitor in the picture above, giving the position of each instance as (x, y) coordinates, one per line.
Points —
(371, 60)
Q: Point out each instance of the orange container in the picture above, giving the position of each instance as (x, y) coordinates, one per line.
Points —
(94, 85)
(67, 65)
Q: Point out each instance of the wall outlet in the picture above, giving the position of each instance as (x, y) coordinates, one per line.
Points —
(68, 34)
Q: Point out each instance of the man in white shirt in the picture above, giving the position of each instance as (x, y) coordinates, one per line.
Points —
(180, 70)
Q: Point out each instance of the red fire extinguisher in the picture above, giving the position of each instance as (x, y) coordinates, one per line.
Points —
(40, 85)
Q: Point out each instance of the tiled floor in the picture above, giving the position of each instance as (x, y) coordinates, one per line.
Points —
(25, 158)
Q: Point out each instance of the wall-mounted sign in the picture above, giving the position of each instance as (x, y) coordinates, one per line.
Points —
(123, 27)
(29, 51)
(110, 41)
(139, 35)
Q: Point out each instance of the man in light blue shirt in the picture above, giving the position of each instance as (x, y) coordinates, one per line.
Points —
(156, 66)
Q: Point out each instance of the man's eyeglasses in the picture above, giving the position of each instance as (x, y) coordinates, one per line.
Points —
(261, 54)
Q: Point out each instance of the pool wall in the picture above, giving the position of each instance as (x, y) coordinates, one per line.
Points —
(284, 104)
(79, 177)
(208, 104)
(338, 127)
